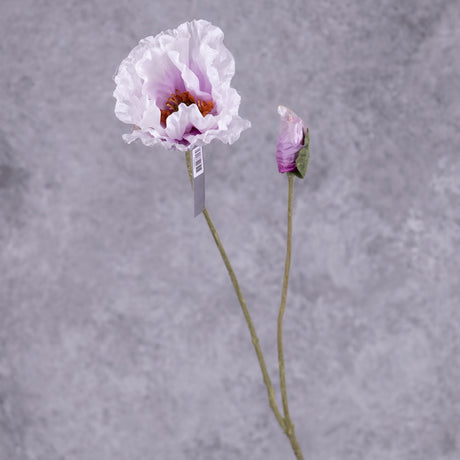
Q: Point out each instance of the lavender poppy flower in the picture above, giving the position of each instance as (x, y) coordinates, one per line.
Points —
(175, 89)
(291, 140)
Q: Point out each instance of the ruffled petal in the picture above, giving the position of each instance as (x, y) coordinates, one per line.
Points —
(193, 59)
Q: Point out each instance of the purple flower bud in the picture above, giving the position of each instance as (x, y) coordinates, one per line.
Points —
(290, 140)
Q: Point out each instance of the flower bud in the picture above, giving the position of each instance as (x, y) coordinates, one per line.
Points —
(292, 148)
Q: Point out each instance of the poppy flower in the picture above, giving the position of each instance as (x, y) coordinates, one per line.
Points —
(174, 89)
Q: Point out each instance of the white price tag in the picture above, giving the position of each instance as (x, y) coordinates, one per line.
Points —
(198, 180)
(197, 161)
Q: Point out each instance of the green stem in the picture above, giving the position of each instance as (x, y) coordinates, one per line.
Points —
(287, 265)
(247, 316)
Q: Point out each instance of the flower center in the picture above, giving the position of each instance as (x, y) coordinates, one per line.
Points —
(172, 104)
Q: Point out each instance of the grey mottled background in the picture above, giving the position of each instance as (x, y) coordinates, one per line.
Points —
(120, 335)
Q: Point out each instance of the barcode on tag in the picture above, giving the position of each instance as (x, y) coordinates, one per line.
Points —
(197, 161)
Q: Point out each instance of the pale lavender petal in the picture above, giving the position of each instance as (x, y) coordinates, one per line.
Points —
(190, 58)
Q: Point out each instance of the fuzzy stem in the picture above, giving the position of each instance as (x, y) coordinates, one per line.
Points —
(247, 316)
(290, 433)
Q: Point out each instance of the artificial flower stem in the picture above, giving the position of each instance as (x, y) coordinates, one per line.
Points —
(287, 265)
(247, 316)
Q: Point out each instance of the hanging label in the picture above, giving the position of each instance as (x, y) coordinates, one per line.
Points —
(198, 180)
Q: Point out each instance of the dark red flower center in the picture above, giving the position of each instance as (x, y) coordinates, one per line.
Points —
(184, 97)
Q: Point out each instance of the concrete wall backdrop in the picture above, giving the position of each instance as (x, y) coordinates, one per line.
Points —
(120, 335)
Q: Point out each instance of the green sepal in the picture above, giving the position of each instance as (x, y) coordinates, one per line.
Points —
(303, 158)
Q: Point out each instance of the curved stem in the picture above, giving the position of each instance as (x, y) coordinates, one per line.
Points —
(287, 265)
(247, 316)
